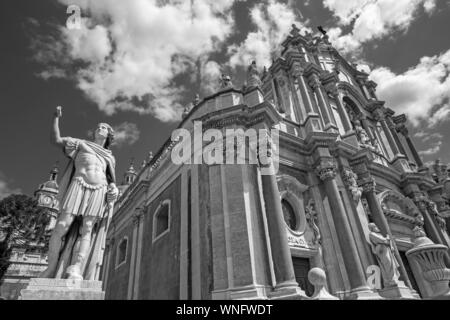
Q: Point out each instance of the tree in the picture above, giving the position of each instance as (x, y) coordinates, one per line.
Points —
(21, 222)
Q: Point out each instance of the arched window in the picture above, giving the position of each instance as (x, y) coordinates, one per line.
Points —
(121, 255)
(161, 220)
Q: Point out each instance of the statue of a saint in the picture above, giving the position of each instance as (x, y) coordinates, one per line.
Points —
(87, 194)
(384, 252)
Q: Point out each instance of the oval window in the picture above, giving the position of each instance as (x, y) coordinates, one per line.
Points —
(289, 215)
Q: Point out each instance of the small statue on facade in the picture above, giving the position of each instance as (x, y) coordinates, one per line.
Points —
(186, 110)
(225, 82)
(363, 137)
(311, 217)
(433, 210)
(350, 180)
(384, 251)
(253, 79)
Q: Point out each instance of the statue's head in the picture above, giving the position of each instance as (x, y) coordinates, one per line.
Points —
(104, 130)
(373, 227)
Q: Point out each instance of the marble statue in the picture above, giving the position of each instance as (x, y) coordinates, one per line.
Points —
(384, 252)
(87, 194)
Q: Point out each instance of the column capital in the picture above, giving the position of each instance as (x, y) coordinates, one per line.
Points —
(379, 114)
(391, 124)
(137, 215)
(314, 81)
(326, 169)
(368, 184)
(403, 129)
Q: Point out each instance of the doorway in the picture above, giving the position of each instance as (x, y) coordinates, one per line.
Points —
(301, 269)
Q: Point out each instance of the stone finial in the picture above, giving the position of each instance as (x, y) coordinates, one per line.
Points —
(253, 78)
(295, 31)
(186, 110)
(318, 279)
(196, 100)
(225, 82)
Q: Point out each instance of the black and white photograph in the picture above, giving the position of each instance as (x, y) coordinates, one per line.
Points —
(232, 153)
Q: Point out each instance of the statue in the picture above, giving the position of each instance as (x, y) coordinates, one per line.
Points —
(383, 250)
(225, 82)
(253, 79)
(363, 137)
(87, 194)
(350, 180)
(311, 217)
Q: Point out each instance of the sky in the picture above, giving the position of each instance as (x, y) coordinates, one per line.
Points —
(136, 64)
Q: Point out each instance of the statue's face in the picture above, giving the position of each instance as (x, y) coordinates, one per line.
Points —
(101, 131)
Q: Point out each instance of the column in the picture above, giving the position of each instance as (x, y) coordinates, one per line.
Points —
(281, 254)
(403, 130)
(365, 125)
(342, 112)
(326, 171)
(317, 87)
(135, 219)
(298, 75)
(382, 223)
(380, 116)
(393, 129)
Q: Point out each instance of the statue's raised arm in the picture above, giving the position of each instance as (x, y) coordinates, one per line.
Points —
(55, 135)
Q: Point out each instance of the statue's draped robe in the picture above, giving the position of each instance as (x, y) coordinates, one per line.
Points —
(91, 267)
(386, 259)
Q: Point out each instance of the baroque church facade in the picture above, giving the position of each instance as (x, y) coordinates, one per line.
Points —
(351, 196)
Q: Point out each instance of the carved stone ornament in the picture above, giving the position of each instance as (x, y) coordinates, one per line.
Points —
(350, 180)
(327, 169)
(253, 78)
(225, 82)
(368, 185)
(311, 218)
(433, 210)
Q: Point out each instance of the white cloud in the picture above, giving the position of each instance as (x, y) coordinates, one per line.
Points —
(126, 133)
(5, 188)
(422, 92)
(424, 136)
(273, 22)
(372, 19)
(432, 150)
(210, 75)
(128, 53)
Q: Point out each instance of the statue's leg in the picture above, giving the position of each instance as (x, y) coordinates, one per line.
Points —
(74, 270)
(62, 226)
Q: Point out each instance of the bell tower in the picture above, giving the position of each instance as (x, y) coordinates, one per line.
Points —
(47, 197)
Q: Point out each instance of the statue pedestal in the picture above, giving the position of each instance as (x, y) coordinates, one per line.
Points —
(398, 292)
(62, 289)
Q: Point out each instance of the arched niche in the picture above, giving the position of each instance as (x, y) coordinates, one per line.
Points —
(402, 215)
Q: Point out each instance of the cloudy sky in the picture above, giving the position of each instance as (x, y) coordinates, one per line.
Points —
(135, 64)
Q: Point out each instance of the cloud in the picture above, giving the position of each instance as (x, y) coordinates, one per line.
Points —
(128, 54)
(372, 19)
(5, 188)
(126, 134)
(422, 92)
(273, 22)
(428, 136)
(432, 150)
